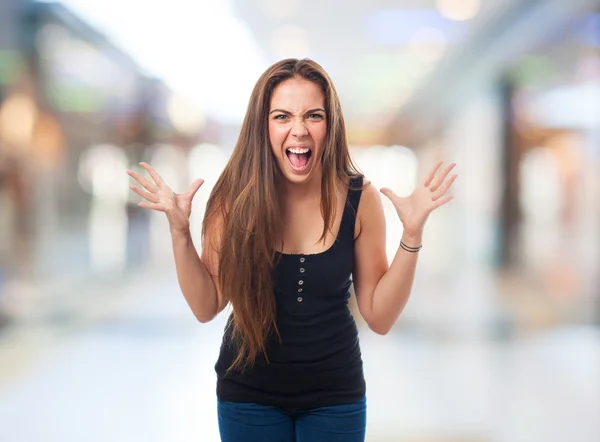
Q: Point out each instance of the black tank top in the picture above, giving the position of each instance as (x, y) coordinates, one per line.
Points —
(318, 361)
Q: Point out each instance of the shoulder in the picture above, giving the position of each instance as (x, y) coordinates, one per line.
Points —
(370, 209)
(369, 198)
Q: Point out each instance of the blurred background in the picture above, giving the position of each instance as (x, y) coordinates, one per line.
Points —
(500, 339)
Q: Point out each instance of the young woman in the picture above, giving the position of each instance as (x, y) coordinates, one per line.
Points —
(289, 226)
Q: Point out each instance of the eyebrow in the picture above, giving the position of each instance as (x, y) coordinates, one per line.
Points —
(289, 113)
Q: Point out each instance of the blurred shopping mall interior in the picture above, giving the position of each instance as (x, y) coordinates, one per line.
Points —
(500, 340)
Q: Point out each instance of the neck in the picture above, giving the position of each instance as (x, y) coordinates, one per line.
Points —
(297, 192)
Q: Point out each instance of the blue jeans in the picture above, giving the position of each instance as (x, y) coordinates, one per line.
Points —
(248, 422)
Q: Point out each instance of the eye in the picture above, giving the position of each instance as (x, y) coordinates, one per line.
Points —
(280, 117)
(316, 116)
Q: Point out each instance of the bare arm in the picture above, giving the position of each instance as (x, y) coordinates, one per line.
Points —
(197, 277)
(382, 292)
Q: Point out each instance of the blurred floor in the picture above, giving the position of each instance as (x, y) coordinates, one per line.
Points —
(135, 366)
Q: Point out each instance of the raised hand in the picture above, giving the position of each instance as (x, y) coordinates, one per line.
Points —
(160, 197)
(414, 209)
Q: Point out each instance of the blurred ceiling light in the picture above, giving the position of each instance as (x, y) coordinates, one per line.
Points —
(102, 172)
(18, 115)
(185, 117)
(428, 44)
(458, 10)
(171, 161)
(206, 161)
(290, 41)
(279, 9)
(398, 168)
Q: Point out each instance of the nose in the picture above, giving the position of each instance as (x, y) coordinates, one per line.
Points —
(299, 129)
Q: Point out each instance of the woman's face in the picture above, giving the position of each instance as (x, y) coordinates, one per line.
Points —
(297, 128)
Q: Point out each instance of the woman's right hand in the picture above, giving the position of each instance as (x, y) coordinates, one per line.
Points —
(160, 197)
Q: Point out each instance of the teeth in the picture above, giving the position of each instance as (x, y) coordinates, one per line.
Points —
(298, 150)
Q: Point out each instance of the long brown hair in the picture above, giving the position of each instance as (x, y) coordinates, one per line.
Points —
(246, 198)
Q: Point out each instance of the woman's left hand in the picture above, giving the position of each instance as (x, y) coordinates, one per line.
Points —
(414, 210)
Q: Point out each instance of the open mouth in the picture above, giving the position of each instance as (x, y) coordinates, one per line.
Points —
(299, 157)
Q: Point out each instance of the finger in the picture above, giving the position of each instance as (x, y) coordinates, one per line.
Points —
(194, 187)
(389, 193)
(155, 176)
(146, 195)
(440, 202)
(143, 181)
(432, 173)
(440, 178)
(444, 188)
(149, 206)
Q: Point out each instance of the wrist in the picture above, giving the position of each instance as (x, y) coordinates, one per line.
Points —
(412, 239)
(180, 231)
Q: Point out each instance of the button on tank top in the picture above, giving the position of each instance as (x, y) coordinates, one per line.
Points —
(318, 361)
